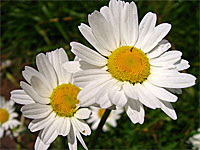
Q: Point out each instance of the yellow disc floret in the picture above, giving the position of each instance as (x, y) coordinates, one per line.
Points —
(4, 115)
(64, 100)
(101, 112)
(129, 64)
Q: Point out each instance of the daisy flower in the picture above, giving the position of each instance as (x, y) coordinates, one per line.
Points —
(50, 98)
(131, 65)
(7, 116)
(97, 114)
(195, 141)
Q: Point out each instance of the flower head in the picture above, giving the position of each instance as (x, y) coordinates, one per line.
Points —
(195, 140)
(7, 116)
(50, 98)
(97, 114)
(131, 66)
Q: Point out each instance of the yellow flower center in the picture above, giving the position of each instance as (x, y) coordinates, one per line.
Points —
(4, 115)
(129, 64)
(101, 112)
(64, 100)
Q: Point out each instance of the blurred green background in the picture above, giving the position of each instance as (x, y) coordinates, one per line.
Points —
(30, 27)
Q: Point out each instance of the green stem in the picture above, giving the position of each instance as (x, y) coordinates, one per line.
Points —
(20, 145)
(99, 128)
(58, 25)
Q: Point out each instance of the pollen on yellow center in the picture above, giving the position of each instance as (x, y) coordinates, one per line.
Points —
(128, 64)
(4, 115)
(64, 100)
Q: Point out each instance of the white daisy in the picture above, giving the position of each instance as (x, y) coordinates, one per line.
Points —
(7, 116)
(131, 66)
(97, 114)
(50, 99)
(195, 141)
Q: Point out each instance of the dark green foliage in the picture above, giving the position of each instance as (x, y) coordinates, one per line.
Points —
(30, 27)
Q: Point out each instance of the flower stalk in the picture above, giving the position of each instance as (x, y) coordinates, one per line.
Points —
(99, 128)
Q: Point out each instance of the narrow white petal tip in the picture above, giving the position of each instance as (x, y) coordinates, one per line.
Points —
(151, 13)
(72, 43)
(175, 117)
(141, 122)
(94, 12)
(21, 109)
(21, 83)
(169, 26)
(82, 24)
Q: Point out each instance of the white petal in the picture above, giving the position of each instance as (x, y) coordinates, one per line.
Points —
(36, 111)
(113, 16)
(146, 28)
(116, 9)
(104, 102)
(168, 109)
(29, 72)
(112, 21)
(130, 91)
(105, 128)
(81, 139)
(1, 132)
(129, 24)
(168, 58)
(13, 115)
(95, 124)
(105, 89)
(179, 80)
(75, 66)
(112, 121)
(176, 91)
(92, 118)
(83, 113)
(72, 66)
(13, 123)
(146, 97)
(59, 123)
(58, 57)
(81, 126)
(40, 87)
(39, 145)
(39, 124)
(117, 97)
(46, 69)
(160, 93)
(84, 65)
(161, 71)
(49, 134)
(87, 94)
(87, 33)
(101, 30)
(20, 97)
(82, 78)
(135, 111)
(158, 34)
(72, 142)
(32, 93)
(65, 128)
(88, 54)
(162, 47)
(182, 65)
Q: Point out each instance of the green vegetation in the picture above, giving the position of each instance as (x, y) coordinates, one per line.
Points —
(30, 27)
